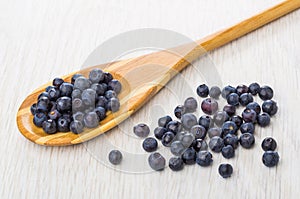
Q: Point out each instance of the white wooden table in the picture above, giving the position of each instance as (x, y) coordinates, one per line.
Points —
(40, 40)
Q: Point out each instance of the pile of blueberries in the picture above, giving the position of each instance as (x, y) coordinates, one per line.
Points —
(187, 138)
(83, 102)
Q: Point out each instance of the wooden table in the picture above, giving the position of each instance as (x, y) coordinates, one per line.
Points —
(40, 40)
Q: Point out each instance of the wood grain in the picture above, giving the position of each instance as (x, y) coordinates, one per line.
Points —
(40, 40)
(144, 76)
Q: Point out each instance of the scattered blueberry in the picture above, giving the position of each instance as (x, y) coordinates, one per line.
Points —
(249, 115)
(241, 89)
(270, 158)
(254, 88)
(167, 138)
(163, 121)
(238, 120)
(141, 130)
(156, 161)
(159, 132)
(188, 120)
(270, 107)
(189, 156)
(263, 119)
(233, 99)
(115, 157)
(229, 109)
(202, 90)
(174, 126)
(220, 117)
(204, 158)
(179, 111)
(199, 145)
(209, 106)
(215, 92)
(268, 144)
(176, 163)
(247, 140)
(225, 170)
(254, 106)
(247, 127)
(177, 148)
(150, 144)
(232, 140)
(205, 121)
(216, 144)
(245, 99)
(198, 131)
(227, 91)
(266, 93)
(228, 152)
(229, 127)
(190, 104)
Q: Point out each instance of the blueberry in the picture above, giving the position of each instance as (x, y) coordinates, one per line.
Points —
(76, 127)
(254, 88)
(215, 131)
(247, 140)
(205, 121)
(190, 104)
(163, 121)
(229, 109)
(241, 89)
(64, 104)
(237, 120)
(187, 139)
(174, 126)
(202, 90)
(101, 101)
(245, 99)
(77, 105)
(265, 93)
(48, 88)
(159, 132)
(216, 144)
(57, 82)
(209, 106)
(270, 158)
(156, 161)
(232, 140)
(215, 92)
(270, 107)
(227, 91)
(228, 151)
(199, 145)
(204, 158)
(150, 144)
(68, 117)
(96, 75)
(179, 111)
(74, 77)
(33, 109)
(167, 138)
(91, 120)
(189, 156)
(229, 127)
(42, 106)
(105, 86)
(233, 99)
(101, 113)
(247, 127)
(254, 106)
(44, 99)
(268, 144)
(115, 157)
(115, 85)
(177, 148)
(79, 116)
(176, 164)
(49, 126)
(141, 130)
(76, 93)
(98, 88)
(220, 117)
(225, 170)
(53, 94)
(39, 118)
(43, 94)
(249, 115)
(66, 89)
(198, 131)
(82, 83)
(113, 105)
(107, 77)
(63, 125)
(263, 119)
(54, 115)
(188, 120)
(88, 97)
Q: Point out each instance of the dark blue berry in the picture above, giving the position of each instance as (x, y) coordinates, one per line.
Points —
(189, 156)
(270, 107)
(77, 105)
(63, 125)
(91, 120)
(227, 91)
(215, 92)
(159, 132)
(48, 88)
(233, 99)
(33, 109)
(190, 105)
(263, 119)
(101, 113)
(54, 94)
(266, 93)
(202, 90)
(79, 116)
(66, 89)
(107, 77)
(98, 88)
(209, 106)
(245, 99)
(237, 120)
(241, 89)
(74, 77)
(198, 131)
(156, 161)
(42, 106)
(247, 127)
(268, 144)
(163, 121)
(88, 97)
(179, 111)
(101, 101)
(254, 88)
(229, 127)
(199, 145)
(57, 82)
(220, 117)
(39, 118)
(96, 75)
(232, 140)
(76, 93)
(216, 144)
(82, 83)
(115, 157)
(249, 115)
(225, 170)
(247, 140)
(167, 138)
(49, 126)
(215, 131)
(205, 121)
(204, 158)
(43, 94)
(188, 120)
(270, 158)
(113, 104)
(115, 85)
(150, 144)
(64, 104)
(174, 126)
(176, 164)
(141, 130)
(76, 127)
(228, 151)
(54, 114)
(254, 106)
(229, 109)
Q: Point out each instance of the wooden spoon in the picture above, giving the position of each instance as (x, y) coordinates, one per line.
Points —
(143, 77)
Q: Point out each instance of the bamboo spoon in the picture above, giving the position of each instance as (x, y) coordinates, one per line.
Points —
(151, 73)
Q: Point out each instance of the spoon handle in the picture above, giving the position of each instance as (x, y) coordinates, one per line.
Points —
(223, 37)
